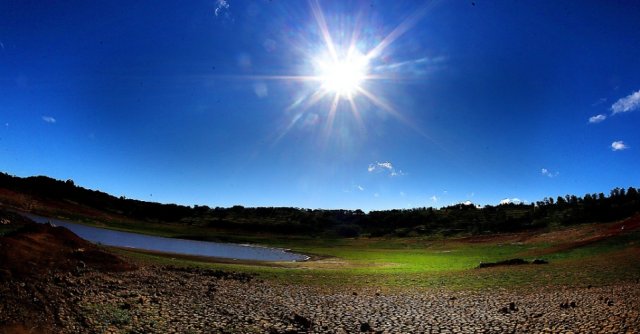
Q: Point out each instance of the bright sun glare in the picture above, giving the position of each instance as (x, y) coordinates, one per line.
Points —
(345, 76)
(342, 72)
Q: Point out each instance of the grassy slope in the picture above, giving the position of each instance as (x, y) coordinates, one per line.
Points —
(443, 263)
(418, 262)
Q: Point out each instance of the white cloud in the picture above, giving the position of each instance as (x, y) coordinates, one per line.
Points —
(384, 167)
(376, 195)
(514, 200)
(549, 173)
(361, 188)
(48, 119)
(619, 146)
(222, 7)
(434, 198)
(627, 103)
(597, 118)
(467, 203)
(600, 101)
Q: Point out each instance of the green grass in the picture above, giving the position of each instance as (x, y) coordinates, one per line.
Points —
(435, 263)
(426, 262)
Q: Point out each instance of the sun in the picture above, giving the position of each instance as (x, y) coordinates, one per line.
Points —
(346, 68)
(343, 77)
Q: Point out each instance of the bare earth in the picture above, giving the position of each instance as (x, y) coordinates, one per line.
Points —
(173, 300)
(51, 281)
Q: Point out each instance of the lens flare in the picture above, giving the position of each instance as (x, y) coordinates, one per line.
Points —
(341, 71)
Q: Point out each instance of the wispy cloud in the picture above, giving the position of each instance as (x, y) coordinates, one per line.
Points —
(353, 188)
(597, 118)
(414, 66)
(434, 198)
(627, 103)
(549, 173)
(599, 102)
(384, 167)
(49, 119)
(618, 145)
(222, 7)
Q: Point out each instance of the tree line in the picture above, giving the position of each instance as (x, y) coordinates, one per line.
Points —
(450, 220)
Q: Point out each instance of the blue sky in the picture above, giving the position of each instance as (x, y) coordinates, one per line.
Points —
(235, 102)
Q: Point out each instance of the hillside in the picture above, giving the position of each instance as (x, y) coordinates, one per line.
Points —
(52, 197)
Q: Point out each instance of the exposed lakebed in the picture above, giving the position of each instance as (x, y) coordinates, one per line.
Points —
(171, 245)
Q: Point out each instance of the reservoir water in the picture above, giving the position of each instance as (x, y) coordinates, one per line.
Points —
(172, 245)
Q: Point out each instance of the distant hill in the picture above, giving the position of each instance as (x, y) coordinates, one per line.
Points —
(49, 196)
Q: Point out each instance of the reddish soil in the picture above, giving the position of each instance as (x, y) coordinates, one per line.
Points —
(37, 248)
(584, 235)
(33, 257)
(564, 239)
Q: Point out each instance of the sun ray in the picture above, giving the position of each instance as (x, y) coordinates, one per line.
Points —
(399, 31)
(342, 71)
(287, 128)
(331, 116)
(297, 102)
(380, 103)
(317, 96)
(324, 29)
(356, 113)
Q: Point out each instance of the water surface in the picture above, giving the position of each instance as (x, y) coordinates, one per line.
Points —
(171, 245)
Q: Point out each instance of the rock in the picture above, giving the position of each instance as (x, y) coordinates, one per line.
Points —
(512, 306)
(510, 262)
(365, 327)
(302, 321)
